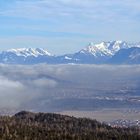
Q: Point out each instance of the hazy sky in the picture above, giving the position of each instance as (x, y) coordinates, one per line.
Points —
(64, 26)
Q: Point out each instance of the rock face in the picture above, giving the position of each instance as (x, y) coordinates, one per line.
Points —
(113, 52)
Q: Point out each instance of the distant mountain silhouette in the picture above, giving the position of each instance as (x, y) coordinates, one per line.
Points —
(113, 52)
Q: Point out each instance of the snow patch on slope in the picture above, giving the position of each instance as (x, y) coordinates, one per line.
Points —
(107, 48)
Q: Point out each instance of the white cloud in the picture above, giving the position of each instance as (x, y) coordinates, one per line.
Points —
(68, 8)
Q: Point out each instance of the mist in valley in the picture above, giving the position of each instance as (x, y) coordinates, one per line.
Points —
(68, 88)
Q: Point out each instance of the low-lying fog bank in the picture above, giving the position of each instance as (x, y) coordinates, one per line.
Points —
(58, 88)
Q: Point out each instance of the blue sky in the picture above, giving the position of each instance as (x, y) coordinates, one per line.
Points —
(65, 26)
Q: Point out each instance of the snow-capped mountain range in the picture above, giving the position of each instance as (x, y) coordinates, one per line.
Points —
(113, 52)
(25, 52)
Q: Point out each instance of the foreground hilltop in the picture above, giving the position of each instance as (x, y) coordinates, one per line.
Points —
(112, 52)
(47, 126)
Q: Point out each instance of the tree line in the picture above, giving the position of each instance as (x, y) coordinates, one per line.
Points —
(48, 126)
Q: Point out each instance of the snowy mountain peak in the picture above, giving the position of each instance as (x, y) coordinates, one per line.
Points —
(106, 48)
(112, 52)
(28, 52)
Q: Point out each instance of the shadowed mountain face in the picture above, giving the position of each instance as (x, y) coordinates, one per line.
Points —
(115, 52)
(129, 56)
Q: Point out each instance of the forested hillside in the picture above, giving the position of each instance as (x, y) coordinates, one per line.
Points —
(47, 126)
